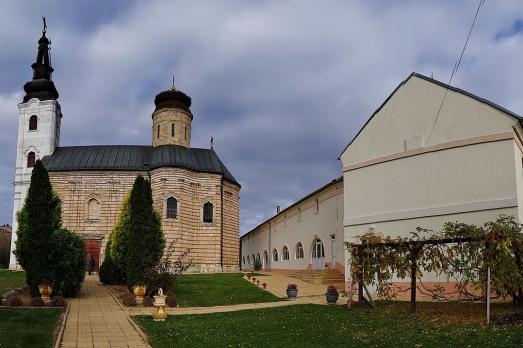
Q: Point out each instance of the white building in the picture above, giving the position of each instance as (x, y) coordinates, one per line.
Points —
(307, 235)
(411, 166)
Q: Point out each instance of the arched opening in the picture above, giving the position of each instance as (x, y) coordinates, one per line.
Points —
(31, 159)
(275, 255)
(172, 208)
(258, 257)
(207, 212)
(253, 258)
(33, 123)
(248, 260)
(285, 253)
(93, 209)
(265, 259)
(243, 258)
(299, 251)
(318, 254)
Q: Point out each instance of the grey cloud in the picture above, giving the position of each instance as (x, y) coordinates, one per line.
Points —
(281, 86)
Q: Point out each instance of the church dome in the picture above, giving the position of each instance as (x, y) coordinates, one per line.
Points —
(172, 99)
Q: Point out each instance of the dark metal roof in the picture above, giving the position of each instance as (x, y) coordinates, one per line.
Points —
(444, 85)
(333, 182)
(135, 157)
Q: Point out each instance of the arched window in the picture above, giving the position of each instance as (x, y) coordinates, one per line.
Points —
(275, 255)
(172, 129)
(285, 253)
(318, 251)
(33, 123)
(299, 251)
(253, 258)
(31, 159)
(172, 208)
(266, 256)
(207, 212)
(248, 260)
(244, 260)
(258, 257)
(93, 209)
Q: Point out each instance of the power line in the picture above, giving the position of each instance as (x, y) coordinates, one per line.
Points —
(456, 66)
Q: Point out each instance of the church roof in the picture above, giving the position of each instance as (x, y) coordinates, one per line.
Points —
(135, 157)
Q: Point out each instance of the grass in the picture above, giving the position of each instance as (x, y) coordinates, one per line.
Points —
(25, 327)
(205, 290)
(10, 280)
(327, 326)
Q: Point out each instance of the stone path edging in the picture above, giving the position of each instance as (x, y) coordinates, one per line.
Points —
(62, 328)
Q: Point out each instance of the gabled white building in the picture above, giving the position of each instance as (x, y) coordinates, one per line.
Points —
(411, 165)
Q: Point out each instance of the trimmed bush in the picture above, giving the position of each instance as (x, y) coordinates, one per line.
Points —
(15, 301)
(148, 301)
(138, 243)
(37, 220)
(68, 268)
(129, 299)
(171, 299)
(118, 240)
(257, 265)
(58, 301)
(110, 273)
(37, 302)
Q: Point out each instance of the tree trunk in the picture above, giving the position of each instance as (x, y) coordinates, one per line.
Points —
(413, 285)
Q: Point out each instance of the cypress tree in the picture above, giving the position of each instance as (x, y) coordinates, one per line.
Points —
(145, 239)
(37, 220)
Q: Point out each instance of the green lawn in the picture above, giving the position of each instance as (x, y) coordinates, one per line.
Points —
(325, 326)
(25, 327)
(10, 280)
(204, 290)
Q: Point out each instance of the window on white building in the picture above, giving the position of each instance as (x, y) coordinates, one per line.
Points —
(285, 253)
(299, 251)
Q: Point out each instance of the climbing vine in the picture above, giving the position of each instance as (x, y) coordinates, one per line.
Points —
(459, 252)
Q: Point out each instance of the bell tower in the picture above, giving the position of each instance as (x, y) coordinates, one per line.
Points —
(39, 117)
(172, 119)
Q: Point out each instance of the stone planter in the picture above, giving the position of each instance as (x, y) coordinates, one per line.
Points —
(139, 292)
(159, 313)
(292, 293)
(45, 292)
(332, 297)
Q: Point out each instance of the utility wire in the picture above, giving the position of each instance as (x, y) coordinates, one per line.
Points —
(455, 69)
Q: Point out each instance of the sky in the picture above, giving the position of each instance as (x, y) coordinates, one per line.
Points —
(281, 86)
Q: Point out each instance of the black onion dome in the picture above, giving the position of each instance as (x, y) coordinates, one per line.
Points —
(41, 89)
(173, 99)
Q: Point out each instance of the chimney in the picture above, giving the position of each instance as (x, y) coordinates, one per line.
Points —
(277, 209)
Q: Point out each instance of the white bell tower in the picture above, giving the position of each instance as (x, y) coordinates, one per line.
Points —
(39, 120)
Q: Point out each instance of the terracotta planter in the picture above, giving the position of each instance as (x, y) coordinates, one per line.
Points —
(292, 293)
(332, 297)
(45, 291)
(139, 292)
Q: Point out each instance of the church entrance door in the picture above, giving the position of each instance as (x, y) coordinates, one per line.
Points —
(318, 254)
(93, 247)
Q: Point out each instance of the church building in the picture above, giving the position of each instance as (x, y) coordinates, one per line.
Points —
(194, 193)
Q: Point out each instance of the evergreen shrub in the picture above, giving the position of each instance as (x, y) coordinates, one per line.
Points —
(138, 244)
(68, 266)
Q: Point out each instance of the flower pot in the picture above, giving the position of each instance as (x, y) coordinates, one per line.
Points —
(139, 292)
(45, 291)
(332, 297)
(292, 293)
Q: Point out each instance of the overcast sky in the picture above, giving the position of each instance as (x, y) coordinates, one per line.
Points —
(282, 86)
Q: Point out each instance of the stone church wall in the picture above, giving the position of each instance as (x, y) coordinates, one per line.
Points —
(95, 219)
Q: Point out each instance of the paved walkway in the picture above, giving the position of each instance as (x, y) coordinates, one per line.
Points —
(96, 320)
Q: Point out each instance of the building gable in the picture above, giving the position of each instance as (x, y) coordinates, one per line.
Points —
(405, 121)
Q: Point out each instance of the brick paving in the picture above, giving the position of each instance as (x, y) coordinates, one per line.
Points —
(96, 320)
